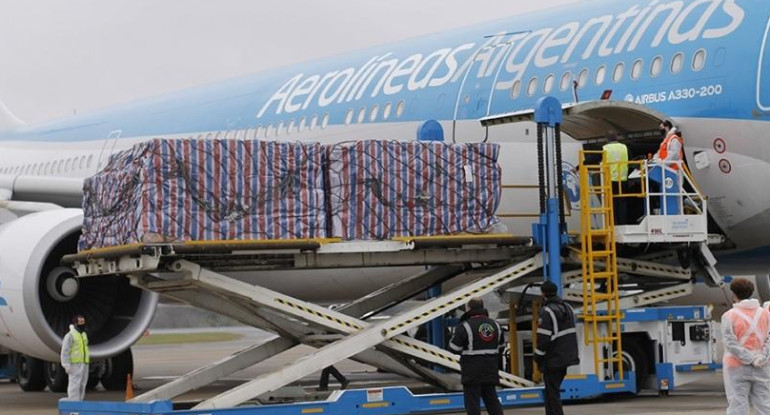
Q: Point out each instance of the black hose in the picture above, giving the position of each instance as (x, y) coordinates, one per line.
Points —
(559, 181)
(541, 167)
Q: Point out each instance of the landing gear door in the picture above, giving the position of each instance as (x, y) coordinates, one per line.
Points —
(763, 72)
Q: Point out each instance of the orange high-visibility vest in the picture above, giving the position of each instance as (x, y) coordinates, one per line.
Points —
(751, 327)
(663, 151)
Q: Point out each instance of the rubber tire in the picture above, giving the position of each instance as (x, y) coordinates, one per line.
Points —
(56, 377)
(117, 368)
(93, 376)
(30, 373)
(634, 351)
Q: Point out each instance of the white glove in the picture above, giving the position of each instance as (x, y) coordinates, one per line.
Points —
(758, 362)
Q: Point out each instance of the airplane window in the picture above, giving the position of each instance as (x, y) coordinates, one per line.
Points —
(516, 89)
(209, 136)
(657, 65)
(325, 120)
(532, 86)
(677, 62)
(548, 84)
(302, 122)
(68, 166)
(699, 60)
(636, 69)
(290, 127)
(82, 162)
(386, 111)
(361, 115)
(583, 78)
(257, 131)
(90, 160)
(565, 80)
(373, 114)
(349, 116)
(617, 74)
(400, 109)
(601, 73)
(313, 122)
(278, 128)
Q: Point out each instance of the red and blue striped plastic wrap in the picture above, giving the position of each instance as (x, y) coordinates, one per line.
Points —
(202, 190)
(388, 189)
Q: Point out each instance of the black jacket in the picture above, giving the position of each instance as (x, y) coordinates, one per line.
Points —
(477, 339)
(556, 337)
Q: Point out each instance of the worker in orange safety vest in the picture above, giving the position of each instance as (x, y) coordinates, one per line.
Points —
(745, 331)
(671, 147)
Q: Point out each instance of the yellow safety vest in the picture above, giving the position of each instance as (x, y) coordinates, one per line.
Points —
(79, 350)
(617, 156)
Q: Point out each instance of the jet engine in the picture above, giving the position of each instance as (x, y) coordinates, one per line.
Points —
(41, 295)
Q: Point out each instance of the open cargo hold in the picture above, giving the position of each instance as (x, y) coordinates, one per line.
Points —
(164, 191)
(388, 189)
(197, 190)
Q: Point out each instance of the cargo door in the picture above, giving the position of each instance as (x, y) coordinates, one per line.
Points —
(763, 72)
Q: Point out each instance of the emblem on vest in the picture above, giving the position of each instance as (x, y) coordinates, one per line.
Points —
(486, 332)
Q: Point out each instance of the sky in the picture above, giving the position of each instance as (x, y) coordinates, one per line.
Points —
(59, 58)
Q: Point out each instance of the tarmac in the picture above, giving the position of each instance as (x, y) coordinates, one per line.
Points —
(157, 364)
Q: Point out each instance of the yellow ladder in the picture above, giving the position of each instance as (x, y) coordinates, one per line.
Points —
(601, 298)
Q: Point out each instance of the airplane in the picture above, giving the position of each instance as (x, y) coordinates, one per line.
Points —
(705, 64)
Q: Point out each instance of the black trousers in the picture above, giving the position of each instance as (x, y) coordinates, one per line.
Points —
(552, 377)
(473, 393)
(619, 203)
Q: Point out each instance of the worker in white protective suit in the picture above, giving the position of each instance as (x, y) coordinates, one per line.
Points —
(745, 332)
(75, 358)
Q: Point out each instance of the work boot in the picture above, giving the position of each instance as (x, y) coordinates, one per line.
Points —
(344, 384)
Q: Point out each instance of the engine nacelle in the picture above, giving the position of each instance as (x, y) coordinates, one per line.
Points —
(41, 296)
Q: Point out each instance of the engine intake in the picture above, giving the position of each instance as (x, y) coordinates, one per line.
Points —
(43, 295)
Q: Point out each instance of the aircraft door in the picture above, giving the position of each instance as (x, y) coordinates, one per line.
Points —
(476, 87)
(107, 149)
(763, 72)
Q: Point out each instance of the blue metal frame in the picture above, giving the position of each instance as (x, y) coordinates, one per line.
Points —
(549, 232)
(665, 374)
(681, 313)
(698, 367)
(382, 401)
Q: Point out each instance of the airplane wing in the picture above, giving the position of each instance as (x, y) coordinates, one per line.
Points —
(62, 191)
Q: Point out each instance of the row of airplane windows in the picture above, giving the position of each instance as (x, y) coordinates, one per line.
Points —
(303, 124)
(267, 131)
(52, 167)
(656, 68)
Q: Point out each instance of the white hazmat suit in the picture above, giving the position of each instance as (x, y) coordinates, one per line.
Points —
(78, 372)
(745, 331)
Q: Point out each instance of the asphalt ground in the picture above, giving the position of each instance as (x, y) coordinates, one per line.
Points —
(157, 364)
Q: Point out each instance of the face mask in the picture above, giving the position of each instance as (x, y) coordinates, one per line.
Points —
(81, 327)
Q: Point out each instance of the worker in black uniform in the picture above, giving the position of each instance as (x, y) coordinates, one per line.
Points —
(477, 339)
(557, 346)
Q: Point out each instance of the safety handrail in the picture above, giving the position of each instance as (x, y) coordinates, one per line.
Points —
(696, 198)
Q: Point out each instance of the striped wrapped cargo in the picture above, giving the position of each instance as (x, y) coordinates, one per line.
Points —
(202, 190)
(388, 189)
